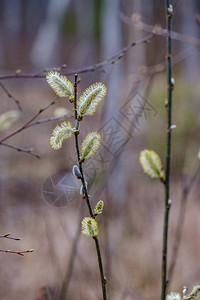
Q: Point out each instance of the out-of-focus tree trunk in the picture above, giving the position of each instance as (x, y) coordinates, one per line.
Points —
(188, 26)
(11, 30)
(85, 48)
(48, 36)
(111, 41)
(135, 57)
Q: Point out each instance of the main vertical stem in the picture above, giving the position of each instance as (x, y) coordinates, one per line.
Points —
(169, 13)
(103, 278)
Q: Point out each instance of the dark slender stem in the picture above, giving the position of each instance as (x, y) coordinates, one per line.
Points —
(168, 154)
(86, 196)
(103, 278)
(77, 149)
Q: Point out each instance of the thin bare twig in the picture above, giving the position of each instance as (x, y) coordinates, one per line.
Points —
(41, 121)
(111, 60)
(19, 149)
(158, 30)
(7, 236)
(30, 121)
(10, 95)
(21, 253)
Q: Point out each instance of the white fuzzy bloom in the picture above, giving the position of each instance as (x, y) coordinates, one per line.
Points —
(173, 296)
(61, 133)
(90, 145)
(89, 100)
(60, 84)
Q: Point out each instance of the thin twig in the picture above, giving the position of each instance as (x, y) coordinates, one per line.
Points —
(28, 151)
(169, 12)
(111, 60)
(30, 121)
(7, 236)
(41, 121)
(21, 253)
(10, 95)
(158, 30)
(86, 196)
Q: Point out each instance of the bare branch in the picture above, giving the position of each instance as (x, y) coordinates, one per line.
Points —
(30, 121)
(158, 30)
(7, 236)
(21, 253)
(111, 60)
(10, 95)
(29, 151)
(41, 121)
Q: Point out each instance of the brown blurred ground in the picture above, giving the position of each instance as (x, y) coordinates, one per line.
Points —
(130, 228)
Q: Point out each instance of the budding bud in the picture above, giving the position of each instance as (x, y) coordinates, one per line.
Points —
(99, 208)
(82, 192)
(76, 172)
(170, 10)
(172, 82)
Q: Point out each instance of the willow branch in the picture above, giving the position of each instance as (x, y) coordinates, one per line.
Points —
(92, 68)
(159, 31)
(7, 236)
(86, 196)
(26, 125)
(19, 149)
(46, 120)
(169, 12)
(21, 253)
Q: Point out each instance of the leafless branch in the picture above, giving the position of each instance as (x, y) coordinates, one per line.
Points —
(7, 236)
(41, 121)
(29, 151)
(111, 60)
(30, 121)
(10, 95)
(21, 253)
(158, 30)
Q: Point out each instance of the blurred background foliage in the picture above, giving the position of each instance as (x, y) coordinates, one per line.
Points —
(44, 34)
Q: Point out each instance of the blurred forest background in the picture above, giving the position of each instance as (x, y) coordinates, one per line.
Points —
(79, 33)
